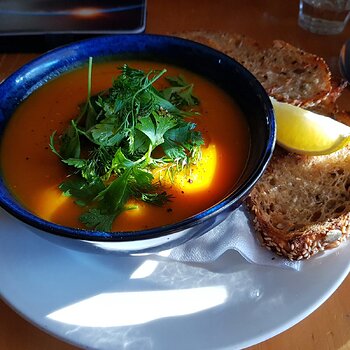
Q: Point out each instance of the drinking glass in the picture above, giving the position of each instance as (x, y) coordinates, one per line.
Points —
(324, 16)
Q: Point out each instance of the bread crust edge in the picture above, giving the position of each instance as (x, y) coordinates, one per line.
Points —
(303, 244)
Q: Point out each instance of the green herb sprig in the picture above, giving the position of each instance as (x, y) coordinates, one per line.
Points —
(109, 147)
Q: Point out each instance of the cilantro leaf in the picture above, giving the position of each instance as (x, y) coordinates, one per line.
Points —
(141, 144)
(180, 140)
(120, 161)
(143, 179)
(75, 162)
(70, 143)
(155, 127)
(52, 144)
(112, 201)
(106, 133)
(97, 219)
(116, 194)
(157, 199)
(81, 189)
(180, 93)
(143, 189)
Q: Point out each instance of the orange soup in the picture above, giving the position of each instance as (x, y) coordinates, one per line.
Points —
(33, 172)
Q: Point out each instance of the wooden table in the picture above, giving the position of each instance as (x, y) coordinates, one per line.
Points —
(329, 326)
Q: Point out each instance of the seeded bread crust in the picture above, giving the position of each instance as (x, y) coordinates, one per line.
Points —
(286, 72)
(301, 205)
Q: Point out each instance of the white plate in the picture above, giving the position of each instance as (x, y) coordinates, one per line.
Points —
(105, 302)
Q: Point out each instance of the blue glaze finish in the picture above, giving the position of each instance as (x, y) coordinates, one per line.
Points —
(213, 65)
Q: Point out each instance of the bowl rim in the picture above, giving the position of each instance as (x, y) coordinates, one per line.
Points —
(235, 196)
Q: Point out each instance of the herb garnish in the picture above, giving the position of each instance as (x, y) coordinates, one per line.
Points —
(109, 146)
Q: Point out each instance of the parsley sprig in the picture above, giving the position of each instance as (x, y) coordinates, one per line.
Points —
(109, 147)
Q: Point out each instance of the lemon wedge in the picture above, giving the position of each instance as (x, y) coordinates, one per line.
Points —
(305, 132)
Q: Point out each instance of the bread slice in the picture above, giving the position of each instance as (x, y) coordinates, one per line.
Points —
(286, 72)
(301, 205)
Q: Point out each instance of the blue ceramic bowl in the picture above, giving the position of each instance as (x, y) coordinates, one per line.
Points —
(224, 71)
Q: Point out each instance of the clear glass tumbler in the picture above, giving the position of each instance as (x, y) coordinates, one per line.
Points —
(324, 16)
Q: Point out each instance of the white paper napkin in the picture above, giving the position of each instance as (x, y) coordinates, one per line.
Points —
(234, 233)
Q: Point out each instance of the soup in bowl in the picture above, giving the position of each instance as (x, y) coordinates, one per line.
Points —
(131, 143)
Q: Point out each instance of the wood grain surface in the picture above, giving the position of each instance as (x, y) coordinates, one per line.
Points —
(265, 20)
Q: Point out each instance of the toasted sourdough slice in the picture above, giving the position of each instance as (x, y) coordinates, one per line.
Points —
(286, 72)
(301, 205)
